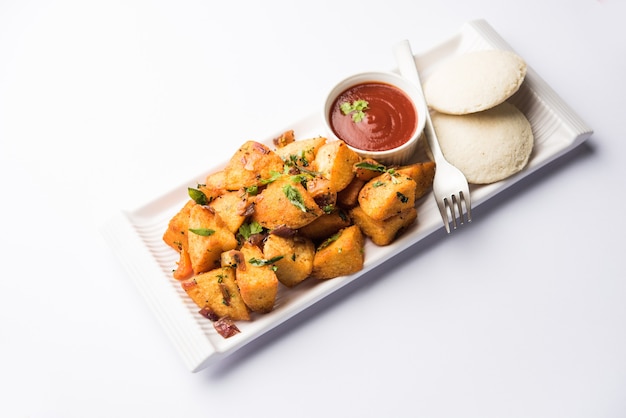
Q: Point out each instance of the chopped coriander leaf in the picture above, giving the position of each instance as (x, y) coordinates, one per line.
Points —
(296, 160)
(304, 160)
(263, 262)
(204, 232)
(373, 167)
(292, 160)
(299, 178)
(197, 196)
(248, 229)
(307, 171)
(274, 175)
(402, 197)
(329, 240)
(357, 108)
(294, 197)
(252, 190)
(328, 208)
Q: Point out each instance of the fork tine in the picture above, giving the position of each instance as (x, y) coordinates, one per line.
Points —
(468, 206)
(443, 209)
(455, 207)
(452, 203)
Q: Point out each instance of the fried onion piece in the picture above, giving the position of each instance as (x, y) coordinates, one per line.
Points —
(226, 327)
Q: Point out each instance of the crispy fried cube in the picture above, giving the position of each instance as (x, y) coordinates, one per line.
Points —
(208, 237)
(231, 258)
(285, 202)
(349, 197)
(176, 237)
(326, 225)
(387, 195)
(284, 139)
(214, 185)
(297, 255)
(321, 191)
(423, 173)
(368, 168)
(256, 279)
(176, 233)
(385, 231)
(231, 206)
(301, 153)
(217, 292)
(184, 268)
(340, 255)
(335, 161)
(251, 164)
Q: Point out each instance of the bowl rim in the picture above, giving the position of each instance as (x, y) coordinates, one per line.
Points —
(387, 77)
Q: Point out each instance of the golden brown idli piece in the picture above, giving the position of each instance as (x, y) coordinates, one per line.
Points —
(486, 146)
(294, 257)
(383, 232)
(340, 255)
(475, 81)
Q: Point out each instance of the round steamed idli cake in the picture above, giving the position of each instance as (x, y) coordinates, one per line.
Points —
(475, 81)
(487, 146)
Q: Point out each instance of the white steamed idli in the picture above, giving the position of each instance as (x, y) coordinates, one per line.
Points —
(487, 146)
(475, 81)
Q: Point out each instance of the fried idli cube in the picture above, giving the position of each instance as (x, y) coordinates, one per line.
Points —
(285, 202)
(297, 254)
(423, 173)
(208, 238)
(340, 255)
(216, 292)
(387, 195)
(257, 281)
(383, 232)
(335, 161)
(252, 163)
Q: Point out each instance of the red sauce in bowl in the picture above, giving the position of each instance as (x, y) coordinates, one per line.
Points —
(389, 120)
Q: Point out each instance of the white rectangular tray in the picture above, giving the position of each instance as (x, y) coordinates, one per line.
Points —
(136, 236)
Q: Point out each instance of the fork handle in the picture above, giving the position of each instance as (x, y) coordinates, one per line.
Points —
(408, 69)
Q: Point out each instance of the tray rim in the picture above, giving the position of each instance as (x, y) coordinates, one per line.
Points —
(123, 231)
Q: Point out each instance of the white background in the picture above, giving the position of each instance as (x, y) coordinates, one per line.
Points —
(105, 105)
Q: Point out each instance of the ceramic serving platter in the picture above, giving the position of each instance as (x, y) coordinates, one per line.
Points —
(136, 235)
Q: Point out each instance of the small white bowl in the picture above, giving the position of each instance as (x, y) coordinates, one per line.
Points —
(395, 156)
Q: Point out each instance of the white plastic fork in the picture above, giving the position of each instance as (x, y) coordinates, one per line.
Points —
(450, 185)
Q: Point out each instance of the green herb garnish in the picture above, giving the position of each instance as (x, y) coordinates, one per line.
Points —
(274, 175)
(252, 190)
(295, 197)
(328, 209)
(300, 178)
(197, 196)
(204, 232)
(329, 240)
(379, 168)
(248, 229)
(402, 197)
(263, 262)
(372, 167)
(357, 108)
